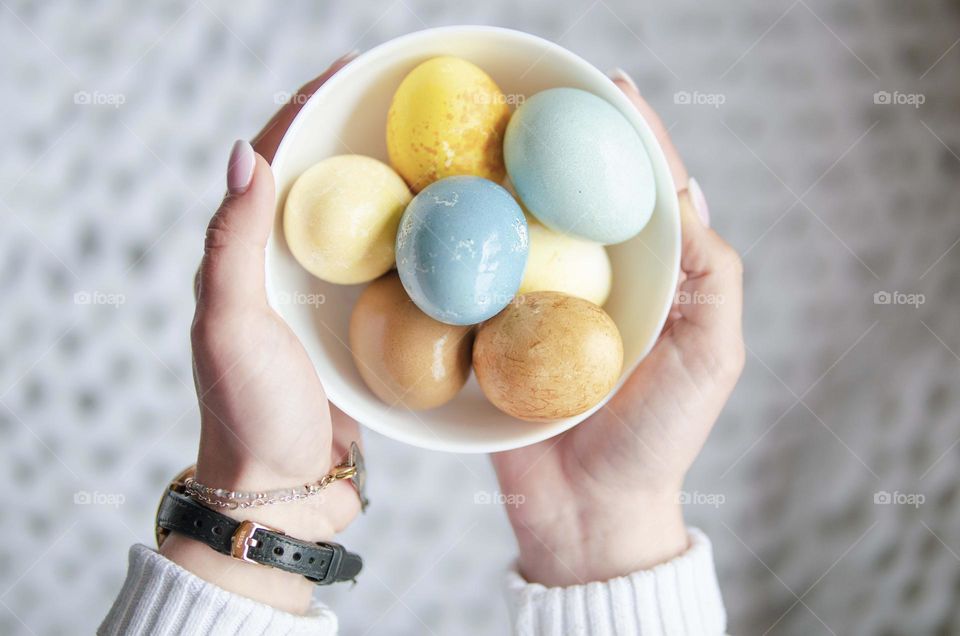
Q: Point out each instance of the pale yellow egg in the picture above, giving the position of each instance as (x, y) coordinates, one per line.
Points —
(565, 264)
(447, 118)
(341, 216)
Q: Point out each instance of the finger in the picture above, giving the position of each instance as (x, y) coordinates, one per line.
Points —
(629, 88)
(711, 292)
(266, 142)
(268, 139)
(232, 269)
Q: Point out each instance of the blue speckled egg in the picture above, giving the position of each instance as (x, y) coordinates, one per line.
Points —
(461, 249)
(579, 166)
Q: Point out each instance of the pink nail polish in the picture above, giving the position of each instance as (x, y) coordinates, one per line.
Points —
(240, 167)
(699, 201)
(621, 75)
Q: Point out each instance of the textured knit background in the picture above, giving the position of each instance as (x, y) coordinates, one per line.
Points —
(116, 121)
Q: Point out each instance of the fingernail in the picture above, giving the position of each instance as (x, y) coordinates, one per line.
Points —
(240, 167)
(699, 201)
(621, 75)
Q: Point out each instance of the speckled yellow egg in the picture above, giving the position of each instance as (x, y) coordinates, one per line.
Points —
(547, 356)
(561, 263)
(341, 216)
(447, 118)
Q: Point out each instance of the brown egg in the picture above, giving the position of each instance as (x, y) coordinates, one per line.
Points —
(403, 355)
(547, 356)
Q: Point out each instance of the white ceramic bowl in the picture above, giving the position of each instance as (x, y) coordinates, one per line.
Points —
(348, 115)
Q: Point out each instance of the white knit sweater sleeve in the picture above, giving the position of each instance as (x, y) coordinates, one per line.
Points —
(678, 598)
(159, 597)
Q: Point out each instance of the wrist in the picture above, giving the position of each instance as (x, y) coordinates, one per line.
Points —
(600, 542)
(313, 519)
(285, 591)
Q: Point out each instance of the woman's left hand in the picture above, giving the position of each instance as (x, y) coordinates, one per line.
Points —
(265, 419)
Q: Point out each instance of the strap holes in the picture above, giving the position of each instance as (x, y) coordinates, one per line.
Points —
(217, 530)
(197, 523)
(311, 560)
(278, 551)
(296, 556)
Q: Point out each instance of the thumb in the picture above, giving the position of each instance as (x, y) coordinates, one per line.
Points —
(232, 270)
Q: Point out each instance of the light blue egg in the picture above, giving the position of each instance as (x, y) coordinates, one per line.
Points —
(579, 166)
(461, 249)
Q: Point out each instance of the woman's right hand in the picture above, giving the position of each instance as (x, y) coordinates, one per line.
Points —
(601, 500)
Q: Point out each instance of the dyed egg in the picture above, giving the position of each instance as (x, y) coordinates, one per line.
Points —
(447, 118)
(579, 166)
(341, 217)
(566, 264)
(547, 356)
(461, 249)
(404, 356)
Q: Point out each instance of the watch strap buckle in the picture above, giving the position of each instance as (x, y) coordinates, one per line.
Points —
(243, 539)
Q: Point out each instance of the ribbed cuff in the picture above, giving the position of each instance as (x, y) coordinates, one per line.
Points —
(160, 597)
(677, 598)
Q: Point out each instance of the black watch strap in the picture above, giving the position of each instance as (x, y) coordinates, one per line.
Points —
(322, 563)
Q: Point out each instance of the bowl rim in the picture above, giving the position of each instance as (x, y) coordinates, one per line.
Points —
(651, 145)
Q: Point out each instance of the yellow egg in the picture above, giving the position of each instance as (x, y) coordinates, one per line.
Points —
(547, 356)
(341, 216)
(566, 264)
(447, 118)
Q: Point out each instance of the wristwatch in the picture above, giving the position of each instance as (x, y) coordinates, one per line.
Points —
(322, 562)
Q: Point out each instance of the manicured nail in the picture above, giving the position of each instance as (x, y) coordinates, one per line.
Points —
(240, 167)
(621, 75)
(699, 201)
